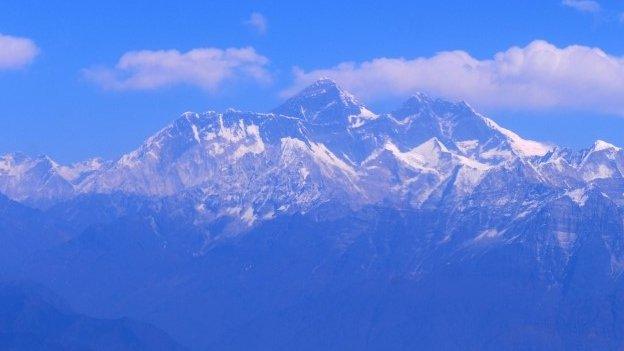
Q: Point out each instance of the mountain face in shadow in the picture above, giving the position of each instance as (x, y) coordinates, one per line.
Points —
(34, 319)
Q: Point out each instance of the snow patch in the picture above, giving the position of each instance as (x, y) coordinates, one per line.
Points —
(599, 171)
(488, 234)
(248, 216)
(579, 196)
(356, 121)
(467, 146)
(195, 133)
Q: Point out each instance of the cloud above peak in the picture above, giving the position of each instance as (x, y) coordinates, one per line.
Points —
(583, 5)
(16, 52)
(206, 68)
(537, 76)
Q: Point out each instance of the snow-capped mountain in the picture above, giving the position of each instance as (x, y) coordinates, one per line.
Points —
(236, 170)
(323, 135)
(323, 214)
(41, 179)
(319, 146)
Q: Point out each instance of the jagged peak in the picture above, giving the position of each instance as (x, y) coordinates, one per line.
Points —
(328, 87)
(414, 103)
(95, 162)
(47, 159)
(322, 95)
(421, 102)
(520, 145)
(325, 81)
(189, 114)
(601, 145)
(18, 155)
(24, 162)
(417, 99)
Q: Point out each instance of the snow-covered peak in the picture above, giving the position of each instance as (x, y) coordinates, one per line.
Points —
(77, 171)
(29, 179)
(16, 163)
(10, 163)
(432, 146)
(421, 103)
(601, 145)
(323, 90)
(323, 102)
(461, 128)
(319, 143)
(522, 146)
(601, 153)
(324, 83)
(603, 161)
(48, 161)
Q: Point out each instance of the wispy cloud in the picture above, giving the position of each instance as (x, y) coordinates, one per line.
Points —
(206, 68)
(257, 22)
(537, 76)
(589, 6)
(16, 52)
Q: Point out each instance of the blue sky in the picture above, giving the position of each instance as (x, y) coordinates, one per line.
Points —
(95, 78)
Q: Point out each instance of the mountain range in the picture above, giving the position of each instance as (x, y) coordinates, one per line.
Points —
(325, 225)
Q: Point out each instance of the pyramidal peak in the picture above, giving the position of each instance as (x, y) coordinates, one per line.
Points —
(601, 145)
(323, 88)
(421, 101)
(431, 146)
(323, 102)
(328, 86)
(601, 151)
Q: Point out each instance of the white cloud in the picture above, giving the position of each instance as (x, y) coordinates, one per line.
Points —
(207, 68)
(258, 22)
(537, 76)
(583, 5)
(16, 52)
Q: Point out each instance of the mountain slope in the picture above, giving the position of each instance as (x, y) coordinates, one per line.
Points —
(32, 319)
(318, 146)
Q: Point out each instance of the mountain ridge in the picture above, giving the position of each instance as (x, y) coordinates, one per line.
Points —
(375, 233)
(456, 125)
(321, 145)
